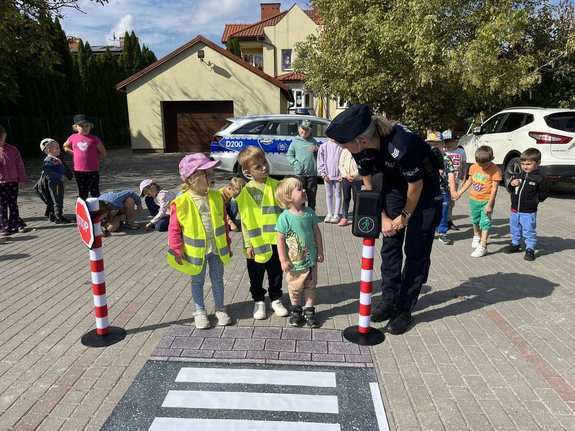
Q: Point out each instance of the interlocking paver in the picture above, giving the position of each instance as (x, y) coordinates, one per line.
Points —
(493, 345)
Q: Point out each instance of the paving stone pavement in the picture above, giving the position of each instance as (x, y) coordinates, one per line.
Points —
(493, 346)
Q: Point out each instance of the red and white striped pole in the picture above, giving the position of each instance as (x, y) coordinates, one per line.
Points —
(366, 285)
(363, 333)
(97, 271)
(104, 334)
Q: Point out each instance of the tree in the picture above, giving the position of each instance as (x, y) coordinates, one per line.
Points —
(427, 63)
(25, 40)
(233, 45)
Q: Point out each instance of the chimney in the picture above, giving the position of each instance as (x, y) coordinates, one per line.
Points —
(73, 43)
(269, 9)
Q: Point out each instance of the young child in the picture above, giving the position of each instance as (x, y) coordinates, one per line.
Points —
(446, 184)
(259, 214)
(230, 192)
(54, 172)
(12, 173)
(351, 183)
(527, 189)
(197, 235)
(459, 160)
(158, 203)
(484, 178)
(118, 207)
(301, 156)
(328, 156)
(87, 151)
(300, 248)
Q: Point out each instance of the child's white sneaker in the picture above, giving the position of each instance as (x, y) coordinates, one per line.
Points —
(201, 319)
(327, 218)
(260, 310)
(279, 308)
(475, 242)
(224, 318)
(480, 251)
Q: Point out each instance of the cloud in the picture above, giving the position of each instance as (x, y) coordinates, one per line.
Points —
(124, 25)
(161, 25)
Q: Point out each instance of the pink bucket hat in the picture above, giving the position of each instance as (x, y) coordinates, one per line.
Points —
(195, 162)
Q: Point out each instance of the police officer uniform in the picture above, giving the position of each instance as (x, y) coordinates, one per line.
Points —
(403, 157)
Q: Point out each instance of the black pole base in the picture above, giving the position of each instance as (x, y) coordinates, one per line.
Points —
(92, 339)
(372, 338)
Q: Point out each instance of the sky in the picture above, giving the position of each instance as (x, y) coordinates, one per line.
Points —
(162, 25)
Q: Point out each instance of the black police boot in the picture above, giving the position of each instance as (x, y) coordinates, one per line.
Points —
(383, 311)
(529, 255)
(399, 324)
(310, 319)
(511, 248)
(296, 316)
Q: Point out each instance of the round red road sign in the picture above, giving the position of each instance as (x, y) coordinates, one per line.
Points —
(84, 222)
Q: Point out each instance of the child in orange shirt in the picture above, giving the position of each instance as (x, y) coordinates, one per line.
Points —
(484, 177)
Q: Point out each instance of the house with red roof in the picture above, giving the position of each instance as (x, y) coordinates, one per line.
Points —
(181, 100)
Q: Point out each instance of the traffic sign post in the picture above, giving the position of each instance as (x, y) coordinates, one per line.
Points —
(366, 224)
(88, 221)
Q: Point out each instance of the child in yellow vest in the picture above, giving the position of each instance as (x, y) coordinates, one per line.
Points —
(259, 213)
(198, 237)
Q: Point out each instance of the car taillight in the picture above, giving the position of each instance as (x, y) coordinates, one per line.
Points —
(549, 138)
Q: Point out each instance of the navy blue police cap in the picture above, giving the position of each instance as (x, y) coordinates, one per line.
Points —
(349, 124)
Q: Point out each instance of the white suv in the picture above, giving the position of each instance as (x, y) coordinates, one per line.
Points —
(513, 130)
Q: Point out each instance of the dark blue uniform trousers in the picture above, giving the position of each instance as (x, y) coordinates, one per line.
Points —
(401, 283)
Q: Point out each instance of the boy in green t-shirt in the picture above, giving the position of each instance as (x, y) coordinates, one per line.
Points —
(300, 247)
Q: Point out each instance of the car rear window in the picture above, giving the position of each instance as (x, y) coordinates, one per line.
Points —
(562, 121)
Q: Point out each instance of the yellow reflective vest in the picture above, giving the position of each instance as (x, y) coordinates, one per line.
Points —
(194, 234)
(259, 222)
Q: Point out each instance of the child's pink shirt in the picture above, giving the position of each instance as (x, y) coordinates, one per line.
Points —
(86, 155)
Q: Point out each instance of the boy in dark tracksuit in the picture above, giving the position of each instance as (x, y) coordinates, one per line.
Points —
(527, 189)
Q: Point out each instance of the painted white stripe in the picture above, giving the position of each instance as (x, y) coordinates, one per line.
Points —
(189, 424)
(98, 277)
(251, 401)
(364, 298)
(93, 204)
(96, 254)
(257, 377)
(102, 322)
(368, 251)
(364, 321)
(378, 406)
(99, 300)
(97, 229)
(366, 274)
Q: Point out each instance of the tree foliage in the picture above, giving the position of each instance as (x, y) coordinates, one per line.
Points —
(430, 63)
(46, 89)
(233, 45)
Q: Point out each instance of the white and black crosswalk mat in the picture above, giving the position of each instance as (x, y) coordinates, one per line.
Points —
(180, 396)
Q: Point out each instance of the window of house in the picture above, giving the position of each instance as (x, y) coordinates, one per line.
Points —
(301, 99)
(286, 59)
(255, 59)
(342, 103)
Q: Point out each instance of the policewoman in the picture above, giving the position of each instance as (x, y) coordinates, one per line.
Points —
(411, 204)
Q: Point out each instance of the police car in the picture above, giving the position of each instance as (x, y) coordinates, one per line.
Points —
(272, 133)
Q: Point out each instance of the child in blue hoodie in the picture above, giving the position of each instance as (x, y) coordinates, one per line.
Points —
(54, 171)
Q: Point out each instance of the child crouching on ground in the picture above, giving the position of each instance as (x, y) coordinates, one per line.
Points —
(259, 214)
(54, 171)
(300, 248)
(158, 202)
(527, 189)
(484, 178)
(230, 192)
(197, 235)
